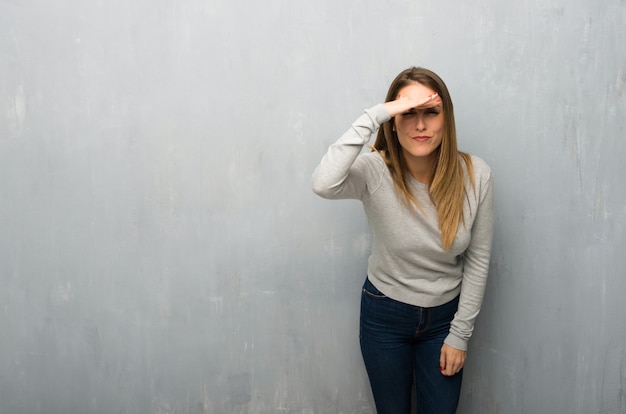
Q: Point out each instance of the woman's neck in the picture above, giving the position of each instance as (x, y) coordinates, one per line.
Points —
(421, 168)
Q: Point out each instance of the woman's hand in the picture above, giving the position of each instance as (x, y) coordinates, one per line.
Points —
(403, 104)
(451, 360)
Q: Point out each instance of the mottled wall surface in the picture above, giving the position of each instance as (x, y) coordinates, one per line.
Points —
(161, 250)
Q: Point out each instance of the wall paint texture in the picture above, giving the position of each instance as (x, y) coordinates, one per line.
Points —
(161, 250)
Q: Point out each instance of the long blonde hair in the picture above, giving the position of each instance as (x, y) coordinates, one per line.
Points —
(447, 183)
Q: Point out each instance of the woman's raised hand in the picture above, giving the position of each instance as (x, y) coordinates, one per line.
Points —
(403, 104)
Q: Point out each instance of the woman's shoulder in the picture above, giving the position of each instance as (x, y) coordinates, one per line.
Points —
(480, 170)
(372, 159)
(480, 166)
(372, 166)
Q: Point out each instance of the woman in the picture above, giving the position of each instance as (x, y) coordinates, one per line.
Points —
(430, 209)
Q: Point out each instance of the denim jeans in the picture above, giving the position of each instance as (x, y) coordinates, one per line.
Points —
(401, 345)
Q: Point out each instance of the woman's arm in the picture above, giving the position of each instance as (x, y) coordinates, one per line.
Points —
(336, 176)
(475, 271)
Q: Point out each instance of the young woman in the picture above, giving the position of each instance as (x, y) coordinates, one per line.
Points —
(430, 209)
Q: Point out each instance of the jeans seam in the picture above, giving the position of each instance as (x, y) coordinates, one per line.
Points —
(426, 325)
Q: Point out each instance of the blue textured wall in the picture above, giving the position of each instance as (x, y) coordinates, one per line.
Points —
(161, 250)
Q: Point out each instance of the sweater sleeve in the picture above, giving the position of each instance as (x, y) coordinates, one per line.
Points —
(337, 176)
(475, 270)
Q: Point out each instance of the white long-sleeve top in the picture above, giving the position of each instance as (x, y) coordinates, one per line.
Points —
(408, 262)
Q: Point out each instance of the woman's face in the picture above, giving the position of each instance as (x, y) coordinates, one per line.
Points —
(419, 130)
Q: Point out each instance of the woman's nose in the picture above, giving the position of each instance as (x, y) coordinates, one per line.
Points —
(419, 123)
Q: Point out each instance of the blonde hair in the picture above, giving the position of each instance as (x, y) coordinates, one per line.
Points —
(447, 183)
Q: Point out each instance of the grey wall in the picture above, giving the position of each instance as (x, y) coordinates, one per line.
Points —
(161, 250)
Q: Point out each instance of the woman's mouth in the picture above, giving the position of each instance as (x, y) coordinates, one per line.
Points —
(420, 138)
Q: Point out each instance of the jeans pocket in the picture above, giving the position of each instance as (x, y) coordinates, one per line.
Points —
(370, 290)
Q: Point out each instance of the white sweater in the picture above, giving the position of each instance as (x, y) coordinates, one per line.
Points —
(408, 262)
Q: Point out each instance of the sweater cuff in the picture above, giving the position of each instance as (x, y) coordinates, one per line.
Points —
(456, 342)
(378, 114)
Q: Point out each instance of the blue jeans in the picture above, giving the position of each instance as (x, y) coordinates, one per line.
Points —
(401, 344)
